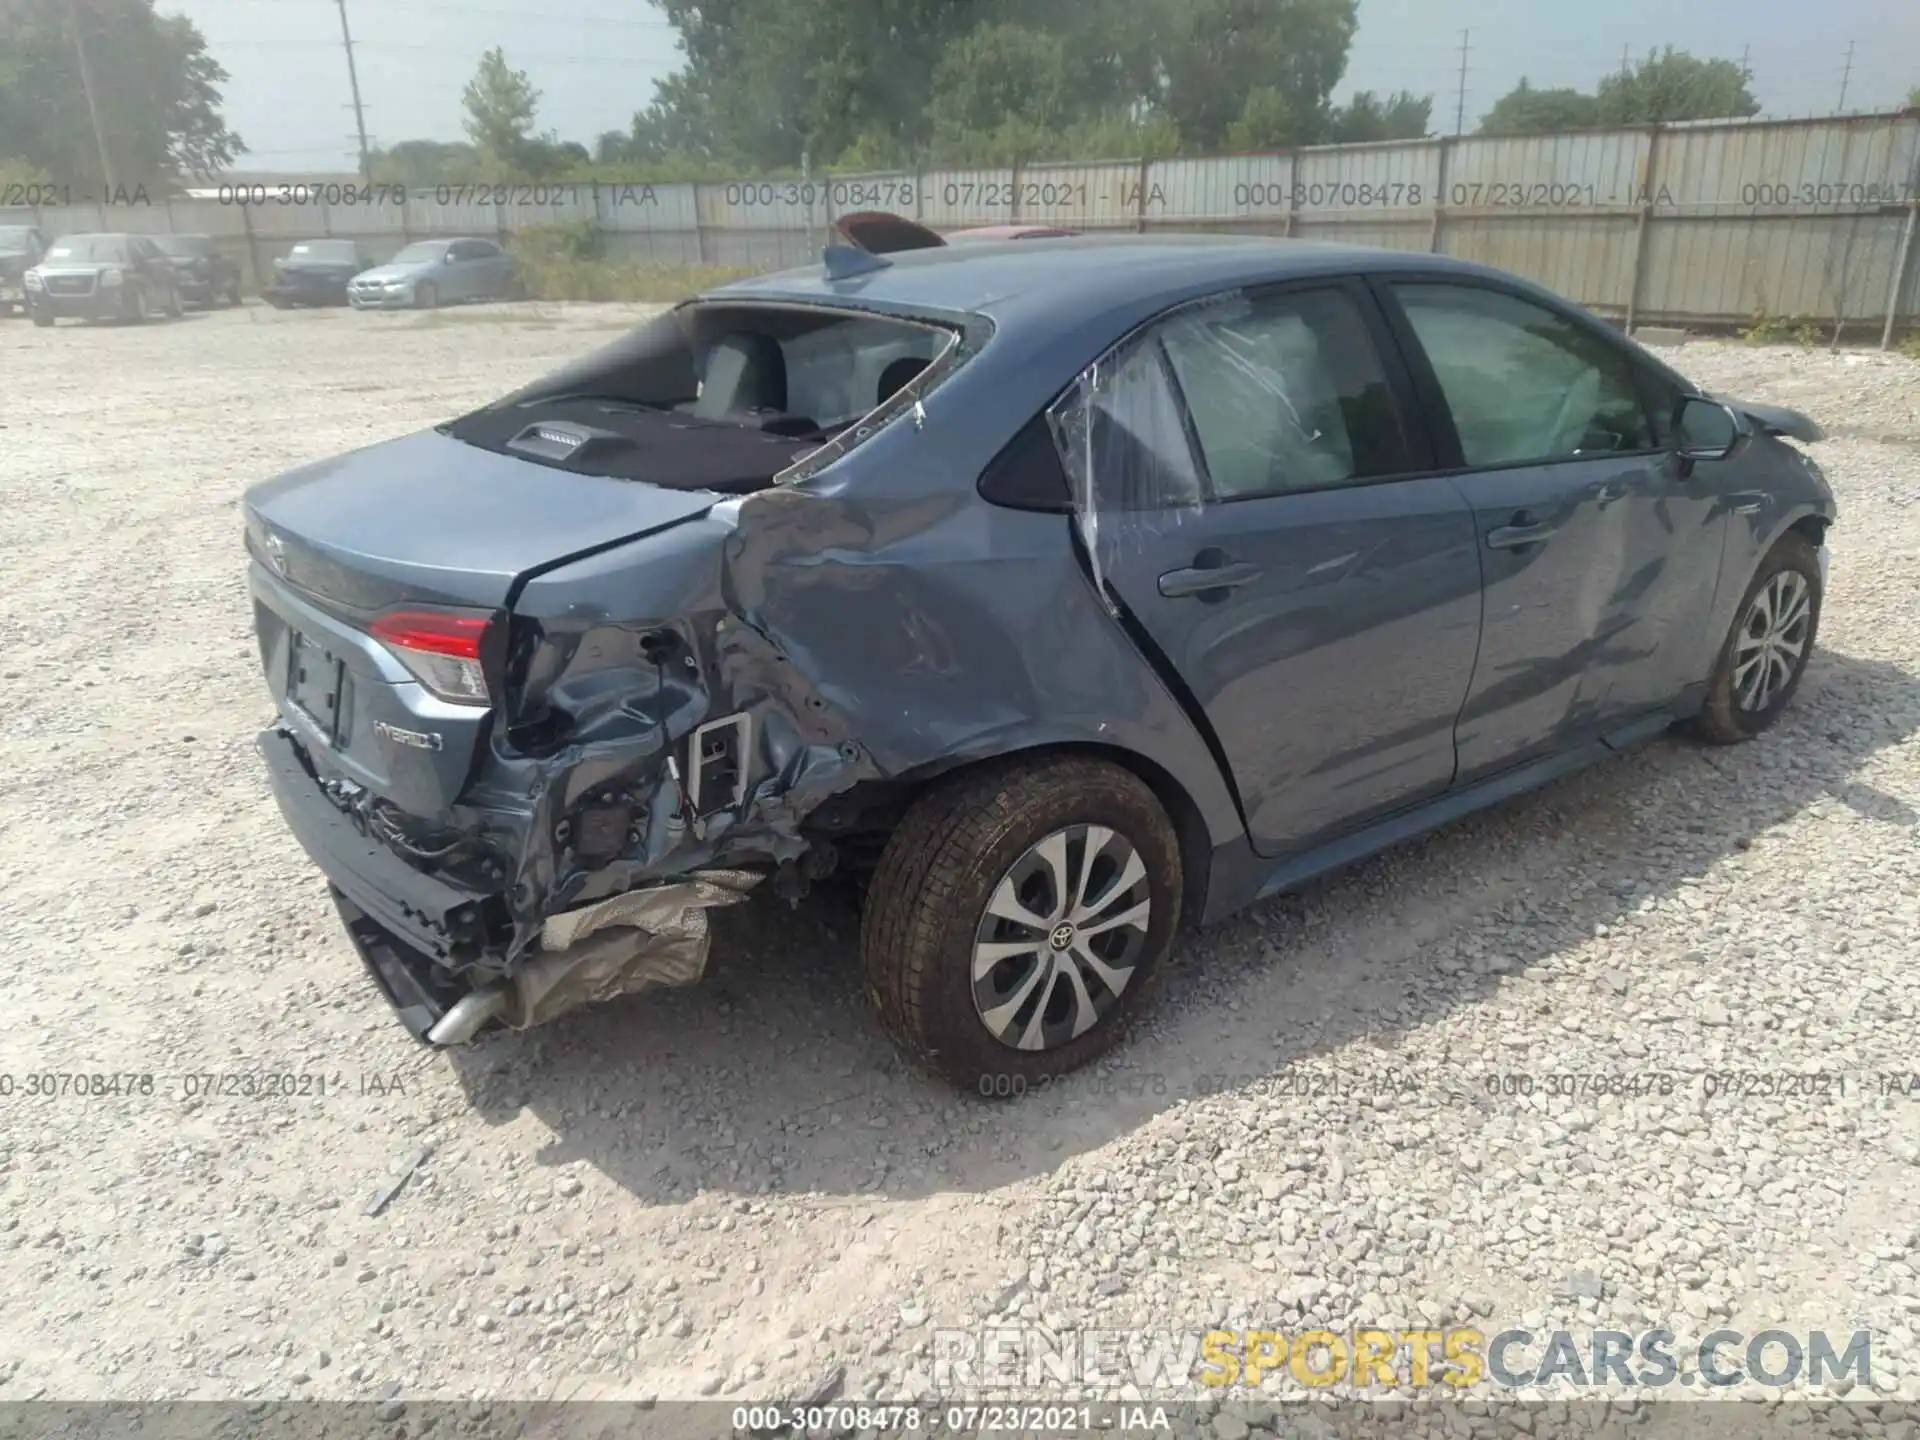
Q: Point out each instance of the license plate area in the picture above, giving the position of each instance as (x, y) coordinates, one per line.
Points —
(319, 688)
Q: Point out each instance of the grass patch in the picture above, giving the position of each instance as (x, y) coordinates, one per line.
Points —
(1910, 346)
(1764, 329)
(567, 262)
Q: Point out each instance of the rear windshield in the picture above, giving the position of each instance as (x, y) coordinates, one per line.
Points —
(15, 237)
(796, 378)
(89, 248)
(324, 250)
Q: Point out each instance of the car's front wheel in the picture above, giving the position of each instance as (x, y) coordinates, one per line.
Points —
(426, 296)
(1017, 918)
(1766, 652)
(42, 318)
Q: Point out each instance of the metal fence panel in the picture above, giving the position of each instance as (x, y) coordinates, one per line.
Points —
(1080, 197)
(1356, 180)
(1710, 222)
(957, 199)
(1587, 258)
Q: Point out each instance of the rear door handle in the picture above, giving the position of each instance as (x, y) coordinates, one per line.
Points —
(1176, 583)
(1512, 537)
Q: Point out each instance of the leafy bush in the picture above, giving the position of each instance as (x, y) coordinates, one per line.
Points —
(1764, 329)
(565, 262)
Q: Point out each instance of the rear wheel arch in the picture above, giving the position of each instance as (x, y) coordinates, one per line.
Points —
(1196, 843)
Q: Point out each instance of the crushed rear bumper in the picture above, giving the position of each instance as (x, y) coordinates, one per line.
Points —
(423, 939)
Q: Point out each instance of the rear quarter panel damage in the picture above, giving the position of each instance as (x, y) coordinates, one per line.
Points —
(878, 623)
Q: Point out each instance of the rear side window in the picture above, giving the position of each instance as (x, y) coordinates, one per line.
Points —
(1524, 385)
(1286, 393)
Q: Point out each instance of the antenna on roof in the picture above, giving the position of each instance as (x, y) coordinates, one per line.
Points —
(844, 262)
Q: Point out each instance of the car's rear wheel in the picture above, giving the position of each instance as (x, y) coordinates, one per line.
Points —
(1017, 918)
(1766, 652)
(425, 296)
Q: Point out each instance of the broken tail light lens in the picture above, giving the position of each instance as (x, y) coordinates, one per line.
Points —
(441, 648)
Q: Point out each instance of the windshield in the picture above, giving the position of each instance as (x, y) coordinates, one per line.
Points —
(15, 237)
(183, 245)
(420, 252)
(324, 250)
(89, 248)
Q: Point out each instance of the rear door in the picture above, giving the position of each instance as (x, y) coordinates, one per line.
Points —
(490, 268)
(1592, 544)
(1259, 508)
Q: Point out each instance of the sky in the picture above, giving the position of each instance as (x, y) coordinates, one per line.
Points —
(594, 61)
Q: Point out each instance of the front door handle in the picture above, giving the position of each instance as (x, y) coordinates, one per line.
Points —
(1199, 579)
(1523, 531)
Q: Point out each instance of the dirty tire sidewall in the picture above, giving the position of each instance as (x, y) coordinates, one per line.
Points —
(1721, 721)
(426, 296)
(931, 890)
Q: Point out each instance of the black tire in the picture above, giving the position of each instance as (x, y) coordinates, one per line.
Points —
(426, 296)
(1723, 720)
(175, 308)
(233, 293)
(42, 319)
(929, 897)
(136, 308)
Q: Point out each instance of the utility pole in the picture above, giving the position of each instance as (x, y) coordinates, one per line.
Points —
(353, 79)
(1746, 70)
(1846, 74)
(1625, 64)
(93, 106)
(1460, 109)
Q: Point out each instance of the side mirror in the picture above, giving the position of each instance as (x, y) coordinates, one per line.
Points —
(1707, 430)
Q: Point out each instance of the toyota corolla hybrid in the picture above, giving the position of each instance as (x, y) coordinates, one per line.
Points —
(1070, 590)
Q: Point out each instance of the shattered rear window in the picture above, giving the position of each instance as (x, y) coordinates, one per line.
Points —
(797, 385)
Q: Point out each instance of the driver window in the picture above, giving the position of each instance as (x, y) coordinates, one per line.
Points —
(1524, 385)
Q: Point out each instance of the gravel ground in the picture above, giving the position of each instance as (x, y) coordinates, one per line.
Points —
(735, 1189)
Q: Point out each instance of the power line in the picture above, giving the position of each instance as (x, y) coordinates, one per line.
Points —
(1460, 107)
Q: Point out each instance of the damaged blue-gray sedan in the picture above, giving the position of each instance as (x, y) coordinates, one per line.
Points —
(1069, 590)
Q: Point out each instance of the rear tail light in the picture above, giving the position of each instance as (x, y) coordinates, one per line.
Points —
(441, 648)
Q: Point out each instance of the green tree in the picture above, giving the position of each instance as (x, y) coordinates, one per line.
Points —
(766, 81)
(500, 103)
(157, 89)
(1524, 110)
(1366, 118)
(1674, 85)
(427, 162)
(1913, 98)
(1210, 55)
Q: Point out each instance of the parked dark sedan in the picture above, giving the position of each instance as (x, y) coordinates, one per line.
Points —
(1070, 590)
(206, 273)
(315, 272)
(21, 247)
(101, 277)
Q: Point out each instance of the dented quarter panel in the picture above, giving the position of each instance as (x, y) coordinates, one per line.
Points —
(875, 622)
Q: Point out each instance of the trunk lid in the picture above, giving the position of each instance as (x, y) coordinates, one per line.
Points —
(423, 521)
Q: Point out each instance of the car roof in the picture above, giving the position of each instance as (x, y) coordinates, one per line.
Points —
(1014, 282)
(100, 235)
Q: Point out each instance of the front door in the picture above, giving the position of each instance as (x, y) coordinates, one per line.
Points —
(1257, 509)
(1596, 550)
